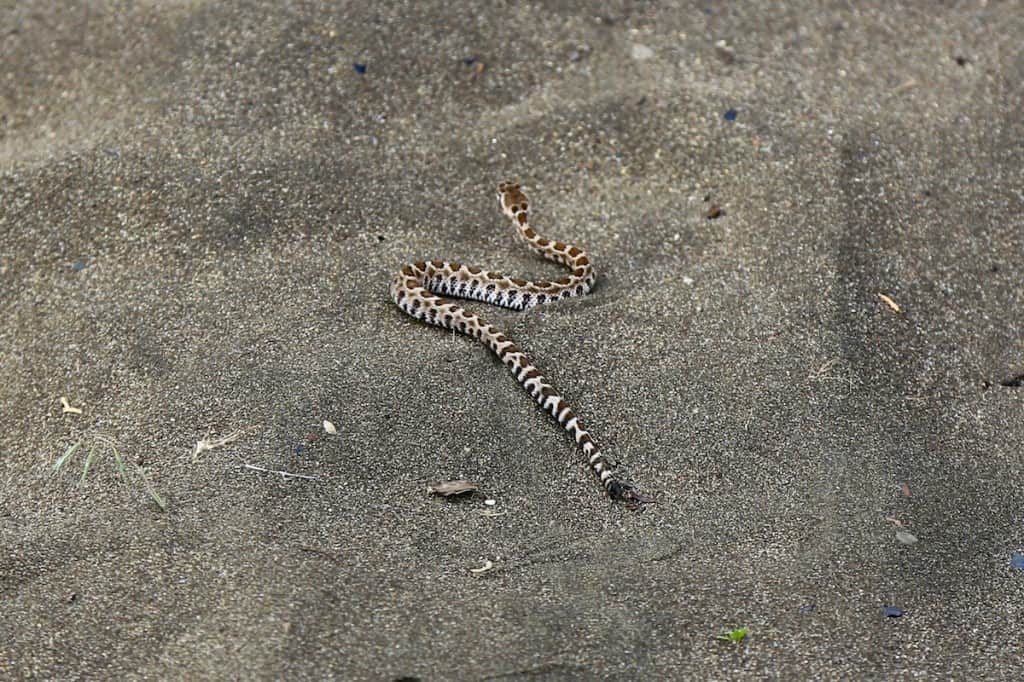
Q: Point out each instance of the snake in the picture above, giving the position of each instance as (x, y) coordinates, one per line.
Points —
(420, 288)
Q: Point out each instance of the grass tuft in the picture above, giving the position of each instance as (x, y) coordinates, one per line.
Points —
(735, 635)
(129, 470)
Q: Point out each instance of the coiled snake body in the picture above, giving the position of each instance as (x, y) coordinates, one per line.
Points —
(417, 289)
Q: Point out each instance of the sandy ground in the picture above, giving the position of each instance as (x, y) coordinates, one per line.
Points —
(202, 205)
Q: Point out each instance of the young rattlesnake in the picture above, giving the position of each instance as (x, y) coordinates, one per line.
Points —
(417, 289)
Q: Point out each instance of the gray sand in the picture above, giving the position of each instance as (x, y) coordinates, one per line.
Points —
(201, 209)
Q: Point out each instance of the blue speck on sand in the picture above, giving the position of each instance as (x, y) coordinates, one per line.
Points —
(79, 265)
(360, 68)
(730, 115)
(893, 612)
(1017, 561)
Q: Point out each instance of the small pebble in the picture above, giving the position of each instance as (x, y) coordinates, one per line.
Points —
(905, 537)
(490, 502)
(642, 52)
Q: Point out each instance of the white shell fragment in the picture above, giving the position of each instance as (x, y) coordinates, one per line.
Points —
(488, 566)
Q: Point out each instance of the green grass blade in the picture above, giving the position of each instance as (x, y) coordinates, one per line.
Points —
(88, 463)
(157, 498)
(64, 458)
(150, 489)
(120, 462)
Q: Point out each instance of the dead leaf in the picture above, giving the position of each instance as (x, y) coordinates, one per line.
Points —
(66, 407)
(889, 302)
(447, 488)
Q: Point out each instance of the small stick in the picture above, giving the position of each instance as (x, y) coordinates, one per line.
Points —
(283, 473)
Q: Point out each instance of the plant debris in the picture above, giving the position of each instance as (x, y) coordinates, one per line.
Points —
(209, 444)
(488, 566)
(889, 302)
(128, 470)
(282, 474)
(66, 407)
(735, 635)
(448, 488)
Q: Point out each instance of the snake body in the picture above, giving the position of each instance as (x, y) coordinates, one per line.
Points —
(418, 289)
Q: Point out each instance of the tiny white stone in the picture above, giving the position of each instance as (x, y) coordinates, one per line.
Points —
(329, 428)
(642, 52)
(490, 502)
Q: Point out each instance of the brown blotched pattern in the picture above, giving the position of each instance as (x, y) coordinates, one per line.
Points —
(416, 287)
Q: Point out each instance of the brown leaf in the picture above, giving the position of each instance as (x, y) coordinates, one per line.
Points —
(893, 305)
(447, 488)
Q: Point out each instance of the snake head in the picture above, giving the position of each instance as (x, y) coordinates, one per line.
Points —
(513, 202)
